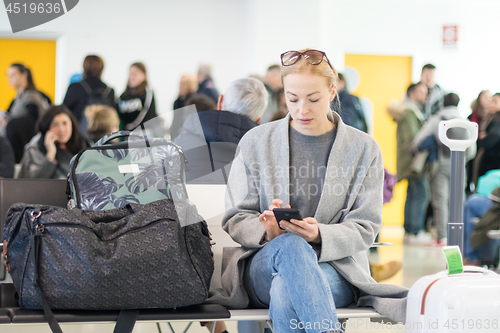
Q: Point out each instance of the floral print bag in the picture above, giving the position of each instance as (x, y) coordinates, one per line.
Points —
(139, 170)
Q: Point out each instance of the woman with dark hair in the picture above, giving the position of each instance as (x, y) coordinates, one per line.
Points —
(90, 90)
(480, 109)
(60, 139)
(24, 110)
(137, 103)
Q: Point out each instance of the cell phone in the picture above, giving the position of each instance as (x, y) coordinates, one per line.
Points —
(286, 214)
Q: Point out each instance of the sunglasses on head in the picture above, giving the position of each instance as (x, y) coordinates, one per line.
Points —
(313, 57)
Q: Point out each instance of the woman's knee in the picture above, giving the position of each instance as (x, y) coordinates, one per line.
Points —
(291, 241)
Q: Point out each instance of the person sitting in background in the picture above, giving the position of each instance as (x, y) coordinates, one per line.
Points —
(206, 83)
(137, 103)
(25, 109)
(187, 86)
(480, 108)
(202, 102)
(7, 160)
(349, 108)
(60, 139)
(488, 144)
(274, 86)
(211, 137)
(440, 176)
(79, 93)
(475, 207)
(102, 120)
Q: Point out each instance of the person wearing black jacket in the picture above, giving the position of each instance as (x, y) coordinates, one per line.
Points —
(211, 137)
(137, 103)
(77, 96)
(205, 82)
(350, 109)
(25, 109)
(7, 160)
(488, 144)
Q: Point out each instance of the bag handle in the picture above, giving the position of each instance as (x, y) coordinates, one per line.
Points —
(117, 135)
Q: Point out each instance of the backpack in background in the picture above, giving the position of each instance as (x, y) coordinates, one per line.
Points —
(98, 96)
(138, 171)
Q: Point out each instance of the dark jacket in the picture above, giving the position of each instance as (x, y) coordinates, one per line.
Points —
(212, 145)
(7, 160)
(207, 88)
(136, 110)
(36, 165)
(77, 98)
(180, 116)
(19, 131)
(490, 145)
(350, 110)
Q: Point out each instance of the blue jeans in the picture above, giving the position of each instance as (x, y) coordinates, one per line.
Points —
(417, 198)
(476, 206)
(301, 293)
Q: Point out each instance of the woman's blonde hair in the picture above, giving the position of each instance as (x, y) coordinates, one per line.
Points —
(323, 69)
(102, 120)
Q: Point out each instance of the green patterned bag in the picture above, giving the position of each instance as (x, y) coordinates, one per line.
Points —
(139, 170)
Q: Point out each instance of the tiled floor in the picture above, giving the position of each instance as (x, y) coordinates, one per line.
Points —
(417, 262)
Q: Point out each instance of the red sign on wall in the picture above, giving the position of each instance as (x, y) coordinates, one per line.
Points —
(450, 34)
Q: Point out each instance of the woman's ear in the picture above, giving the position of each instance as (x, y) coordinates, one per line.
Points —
(333, 93)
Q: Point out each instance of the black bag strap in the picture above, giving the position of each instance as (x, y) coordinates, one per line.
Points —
(126, 319)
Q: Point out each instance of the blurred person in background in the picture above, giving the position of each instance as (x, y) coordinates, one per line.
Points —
(488, 144)
(206, 83)
(274, 86)
(435, 93)
(213, 145)
(480, 108)
(187, 87)
(137, 103)
(201, 102)
(60, 139)
(90, 90)
(410, 120)
(349, 108)
(440, 176)
(7, 160)
(25, 110)
(102, 120)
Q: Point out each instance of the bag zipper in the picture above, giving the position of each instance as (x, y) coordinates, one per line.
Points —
(72, 173)
(71, 225)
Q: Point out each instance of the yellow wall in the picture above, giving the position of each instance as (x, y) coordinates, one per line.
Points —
(382, 79)
(38, 55)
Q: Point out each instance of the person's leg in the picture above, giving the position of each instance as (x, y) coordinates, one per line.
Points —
(475, 207)
(285, 274)
(440, 188)
(415, 205)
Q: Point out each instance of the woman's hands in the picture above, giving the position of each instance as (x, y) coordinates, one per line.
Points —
(269, 221)
(307, 228)
(50, 145)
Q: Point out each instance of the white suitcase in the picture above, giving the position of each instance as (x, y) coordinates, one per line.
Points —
(458, 303)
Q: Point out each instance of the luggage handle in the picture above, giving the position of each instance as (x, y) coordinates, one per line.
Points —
(454, 144)
(121, 134)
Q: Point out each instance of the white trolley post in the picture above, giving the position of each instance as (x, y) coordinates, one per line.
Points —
(457, 175)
